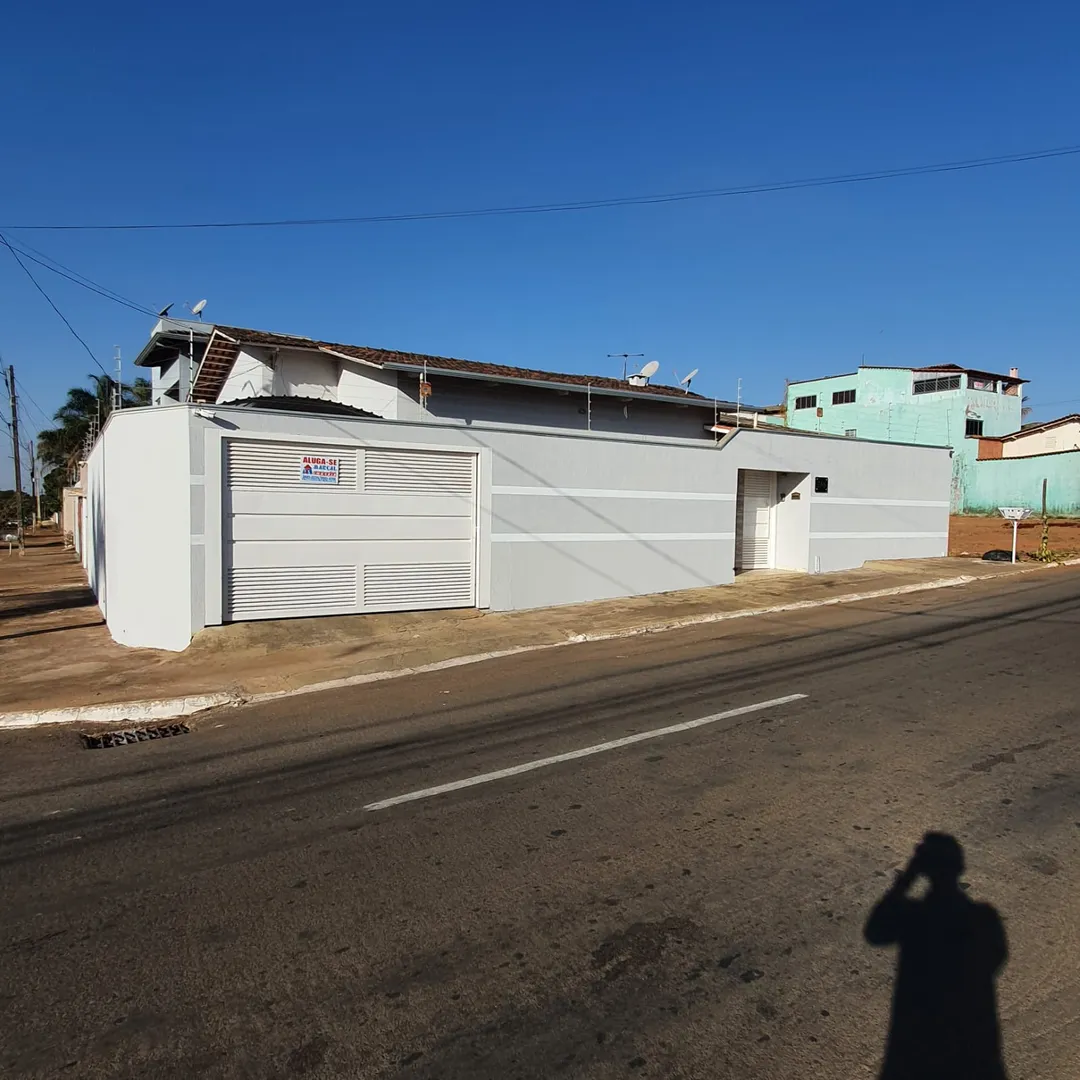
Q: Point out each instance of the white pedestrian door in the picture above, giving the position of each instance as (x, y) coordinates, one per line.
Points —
(753, 519)
(315, 529)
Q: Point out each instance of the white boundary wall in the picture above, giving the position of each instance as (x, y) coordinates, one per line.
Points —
(563, 517)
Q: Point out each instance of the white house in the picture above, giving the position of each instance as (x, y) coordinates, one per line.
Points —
(302, 477)
(1051, 437)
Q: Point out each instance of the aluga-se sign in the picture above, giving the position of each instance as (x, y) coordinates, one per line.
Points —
(319, 470)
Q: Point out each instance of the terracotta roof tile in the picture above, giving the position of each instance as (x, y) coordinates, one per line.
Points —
(393, 358)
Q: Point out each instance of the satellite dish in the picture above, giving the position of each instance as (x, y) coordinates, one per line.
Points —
(685, 380)
(198, 308)
(164, 312)
(650, 369)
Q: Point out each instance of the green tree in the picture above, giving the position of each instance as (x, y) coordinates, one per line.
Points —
(84, 409)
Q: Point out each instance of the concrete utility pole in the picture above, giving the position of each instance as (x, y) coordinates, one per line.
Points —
(18, 455)
(36, 509)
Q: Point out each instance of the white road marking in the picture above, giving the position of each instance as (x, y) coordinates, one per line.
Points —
(588, 751)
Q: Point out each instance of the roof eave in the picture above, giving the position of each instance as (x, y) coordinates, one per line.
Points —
(574, 388)
(174, 331)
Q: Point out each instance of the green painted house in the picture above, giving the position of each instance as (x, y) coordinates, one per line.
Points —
(943, 405)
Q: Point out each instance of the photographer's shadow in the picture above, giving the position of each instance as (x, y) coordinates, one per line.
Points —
(944, 1022)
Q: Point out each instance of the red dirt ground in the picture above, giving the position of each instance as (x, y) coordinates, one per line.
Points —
(974, 535)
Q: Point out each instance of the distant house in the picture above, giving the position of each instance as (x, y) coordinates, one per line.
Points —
(1051, 437)
(1015, 469)
(217, 365)
(941, 405)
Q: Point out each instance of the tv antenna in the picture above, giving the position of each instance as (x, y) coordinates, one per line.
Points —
(196, 309)
(685, 381)
(642, 377)
(625, 356)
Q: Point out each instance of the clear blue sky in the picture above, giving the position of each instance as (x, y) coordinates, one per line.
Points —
(121, 112)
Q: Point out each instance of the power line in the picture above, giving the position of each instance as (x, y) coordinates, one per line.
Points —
(587, 204)
(57, 267)
(37, 408)
(63, 318)
(1047, 404)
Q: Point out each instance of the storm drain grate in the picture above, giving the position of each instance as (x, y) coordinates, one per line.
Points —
(122, 738)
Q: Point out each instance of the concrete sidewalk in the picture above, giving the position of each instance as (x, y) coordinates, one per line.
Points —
(58, 653)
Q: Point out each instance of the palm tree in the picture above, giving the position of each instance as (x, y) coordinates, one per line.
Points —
(85, 410)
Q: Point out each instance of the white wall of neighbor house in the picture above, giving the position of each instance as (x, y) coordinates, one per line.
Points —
(305, 374)
(301, 373)
(251, 376)
(371, 389)
(395, 395)
(139, 539)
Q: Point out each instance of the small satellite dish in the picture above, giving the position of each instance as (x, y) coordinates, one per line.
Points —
(686, 379)
(164, 312)
(650, 369)
(198, 308)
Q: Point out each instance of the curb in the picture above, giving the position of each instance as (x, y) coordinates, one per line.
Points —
(122, 712)
(170, 708)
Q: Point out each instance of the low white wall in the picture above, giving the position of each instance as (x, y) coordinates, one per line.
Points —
(138, 528)
(563, 518)
(884, 500)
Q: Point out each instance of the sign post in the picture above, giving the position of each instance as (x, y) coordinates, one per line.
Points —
(1015, 514)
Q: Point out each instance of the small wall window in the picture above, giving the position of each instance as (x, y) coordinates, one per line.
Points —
(936, 386)
(821, 485)
(807, 402)
(973, 427)
(843, 397)
(851, 433)
(990, 385)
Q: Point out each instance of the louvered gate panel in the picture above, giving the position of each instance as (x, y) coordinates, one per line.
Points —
(396, 532)
(753, 517)
(261, 592)
(418, 472)
(278, 466)
(399, 587)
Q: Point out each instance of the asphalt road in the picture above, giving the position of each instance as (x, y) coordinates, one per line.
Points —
(692, 905)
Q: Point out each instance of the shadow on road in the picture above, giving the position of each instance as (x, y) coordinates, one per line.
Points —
(944, 1022)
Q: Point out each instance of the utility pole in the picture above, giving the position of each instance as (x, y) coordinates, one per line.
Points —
(18, 456)
(36, 509)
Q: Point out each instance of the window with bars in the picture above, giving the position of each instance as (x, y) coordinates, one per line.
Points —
(808, 401)
(936, 385)
(851, 433)
(843, 397)
(973, 426)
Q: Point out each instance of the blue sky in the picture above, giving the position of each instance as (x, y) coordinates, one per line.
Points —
(135, 112)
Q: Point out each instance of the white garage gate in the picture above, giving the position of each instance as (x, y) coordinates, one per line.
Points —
(314, 529)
